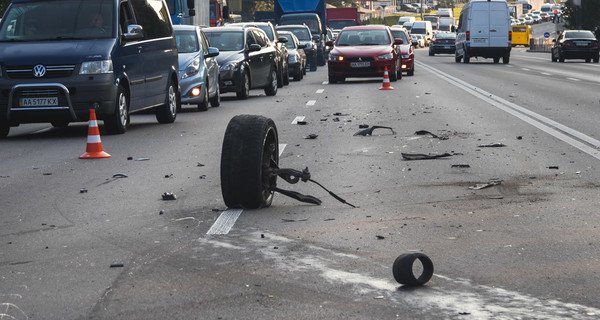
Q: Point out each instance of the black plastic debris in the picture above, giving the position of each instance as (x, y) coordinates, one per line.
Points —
(363, 126)
(339, 114)
(519, 137)
(47, 173)
(369, 131)
(480, 186)
(302, 123)
(425, 132)
(492, 145)
(84, 190)
(161, 212)
(379, 237)
(403, 269)
(169, 196)
(422, 156)
(119, 175)
(311, 136)
(460, 165)
(200, 165)
(203, 177)
(170, 175)
(116, 265)
(336, 119)
(553, 167)
(129, 158)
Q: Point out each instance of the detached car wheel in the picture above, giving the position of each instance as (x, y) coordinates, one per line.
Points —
(250, 152)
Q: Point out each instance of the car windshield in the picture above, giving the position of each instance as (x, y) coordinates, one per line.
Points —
(313, 25)
(363, 38)
(448, 35)
(226, 40)
(579, 35)
(400, 35)
(300, 33)
(187, 41)
(58, 20)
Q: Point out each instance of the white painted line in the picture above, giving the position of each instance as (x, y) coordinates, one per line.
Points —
(525, 69)
(225, 221)
(573, 79)
(325, 82)
(546, 73)
(311, 102)
(227, 218)
(298, 118)
(320, 91)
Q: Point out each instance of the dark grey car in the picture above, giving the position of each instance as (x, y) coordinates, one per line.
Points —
(114, 56)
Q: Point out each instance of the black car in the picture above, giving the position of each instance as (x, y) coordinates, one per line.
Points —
(576, 44)
(283, 77)
(297, 57)
(246, 59)
(443, 42)
(305, 37)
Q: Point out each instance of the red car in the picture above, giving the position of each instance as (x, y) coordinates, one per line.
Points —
(407, 52)
(364, 51)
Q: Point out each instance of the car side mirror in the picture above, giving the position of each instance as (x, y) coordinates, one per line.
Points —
(212, 52)
(282, 39)
(329, 43)
(134, 32)
(254, 47)
(398, 41)
(301, 46)
(316, 38)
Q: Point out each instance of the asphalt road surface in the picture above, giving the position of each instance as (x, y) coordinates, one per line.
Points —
(80, 243)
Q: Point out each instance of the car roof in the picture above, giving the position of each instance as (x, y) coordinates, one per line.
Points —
(183, 27)
(367, 27)
(224, 28)
(292, 26)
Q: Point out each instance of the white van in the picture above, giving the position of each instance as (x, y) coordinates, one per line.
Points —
(423, 28)
(484, 31)
(404, 19)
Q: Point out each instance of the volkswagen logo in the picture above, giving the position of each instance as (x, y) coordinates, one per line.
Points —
(39, 71)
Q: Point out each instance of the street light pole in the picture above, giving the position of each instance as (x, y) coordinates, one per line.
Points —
(421, 9)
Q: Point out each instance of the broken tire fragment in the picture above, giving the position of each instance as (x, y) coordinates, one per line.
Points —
(403, 269)
(250, 150)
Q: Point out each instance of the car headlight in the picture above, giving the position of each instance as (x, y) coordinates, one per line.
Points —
(335, 58)
(405, 56)
(192, 69)
(386, 56)
(229, 66)
(96, 67)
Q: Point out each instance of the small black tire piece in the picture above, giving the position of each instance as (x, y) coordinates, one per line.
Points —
(403, 269)
(4, 128)
(168, 111)
(118, 122)
(244, 90)
(215, 101)
(250, 150)
(271, 88)
(203, 105)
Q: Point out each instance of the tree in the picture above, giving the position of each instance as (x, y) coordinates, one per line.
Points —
(585, 17)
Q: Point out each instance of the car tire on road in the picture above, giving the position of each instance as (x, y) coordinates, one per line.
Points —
(250, 149)
(60, 123)
(168, 111)
(505, 59)
(203, 105)
(4, 128)
(244, 90)
(313, 63)
(333, 80)
(286, 75)
(215, 101)
(271, 88)
(118, 122)
(402, 269)
(466, 57)
(411, 72)
(457, 58)
(280, 77)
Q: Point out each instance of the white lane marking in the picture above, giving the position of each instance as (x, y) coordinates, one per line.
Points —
(320, 91)
(298, 118)
(546, 73)
(311, 102)
(525, 69)
(443, 296)
(573, 79)
(227, 218)
(325, 82)
(547, 125)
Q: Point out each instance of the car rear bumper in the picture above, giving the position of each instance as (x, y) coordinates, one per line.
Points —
(442, 48)
(375, 69)
(580, 53)
(488, 52)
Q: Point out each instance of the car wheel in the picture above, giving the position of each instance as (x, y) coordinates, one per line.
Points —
(280, 76)
(118, 122)
(249, 154)
(457, 58)
(168, 111)
(596, 59)
(244, 90)
(271, 88)
(553, 57)
(203, 105)
(313, 63)
(4, 128)
(286, 75)
(298, 76)
(431, 53)
(466, 57)
(304, 69)
(505, 59)
(561, 58)
(588, 60)
(393, 74)
(320, 58)
(411, 72)
(215, 101)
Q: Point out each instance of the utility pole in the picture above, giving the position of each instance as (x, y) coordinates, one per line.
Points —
(421, 9)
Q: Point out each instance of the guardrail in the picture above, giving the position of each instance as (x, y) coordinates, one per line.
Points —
(540, 44)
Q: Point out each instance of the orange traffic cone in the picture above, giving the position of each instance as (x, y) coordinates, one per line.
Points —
(94, 145)
(386, 81)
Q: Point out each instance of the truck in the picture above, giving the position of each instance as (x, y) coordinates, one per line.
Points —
(198, 12)
(447, 24)
(434, 19)
(338, 18)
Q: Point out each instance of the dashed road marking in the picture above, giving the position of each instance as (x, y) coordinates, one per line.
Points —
(573, 79)
(298, 118)
(546, 73)
(311, 102)
(320, 91)
(325, 82)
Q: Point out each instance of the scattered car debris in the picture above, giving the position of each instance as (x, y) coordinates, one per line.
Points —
(116, 265)
(311, 136)
(460, 165)
(369, 131)
(47, 173)
(119, 175)
(302, 123)
(421, 156)
(262, 235)
(170, 175)
(84, 190)
(403, 269)
(336, 119)
(169, 196)
(329, 219)
(379, 237)
(129, 158)
(339, 114)
(480, 186)
(142, 159)
(519, 137)
(492, 145)
(553, 167)
(199, 165)
(425, 132)
(294, 220)
(363, 126)
(203, 177)
(161, 212)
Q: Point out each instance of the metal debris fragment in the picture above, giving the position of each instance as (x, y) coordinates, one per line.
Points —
(480, 186)
(421, 156)
(492, 145)
(425, 132)
(169, 196)
(311, 136)
(369, 131)
(119, 175)
(460, 165)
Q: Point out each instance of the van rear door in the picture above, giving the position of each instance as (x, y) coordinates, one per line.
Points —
(499, 24)
(480, 24)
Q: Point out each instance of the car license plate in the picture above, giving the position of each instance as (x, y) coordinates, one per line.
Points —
(360, 64)
(478, 40)
(447, 47)
(582, 43)
(38, 102)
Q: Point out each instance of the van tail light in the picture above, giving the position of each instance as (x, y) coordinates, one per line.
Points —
(509, 35)
(595, 44)
(468, 35)
(566, 44)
